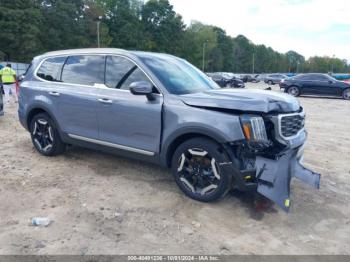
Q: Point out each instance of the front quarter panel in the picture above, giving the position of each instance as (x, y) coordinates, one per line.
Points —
(180, 119)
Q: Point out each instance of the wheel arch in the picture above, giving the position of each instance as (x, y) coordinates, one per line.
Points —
(37, 109)
(172, 143)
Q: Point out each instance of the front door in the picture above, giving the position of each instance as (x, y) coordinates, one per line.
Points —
(125, 120)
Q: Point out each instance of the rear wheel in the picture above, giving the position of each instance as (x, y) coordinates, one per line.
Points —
(293, 90)
(346, 94)
(45, 136)
(196, 169)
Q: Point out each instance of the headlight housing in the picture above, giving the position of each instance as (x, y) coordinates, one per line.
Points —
(254, 128)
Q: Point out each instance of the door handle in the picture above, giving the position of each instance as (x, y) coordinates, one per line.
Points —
(54, 93)
(105, 101)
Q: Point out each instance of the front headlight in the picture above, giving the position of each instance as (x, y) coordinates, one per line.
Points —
(254, 128)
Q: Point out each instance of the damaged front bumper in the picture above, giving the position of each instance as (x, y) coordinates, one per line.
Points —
(274, 176)
(271, 174)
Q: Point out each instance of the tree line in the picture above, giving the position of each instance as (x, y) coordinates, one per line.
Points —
(32, 27)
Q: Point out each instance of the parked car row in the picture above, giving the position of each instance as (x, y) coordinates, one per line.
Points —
(315, 84)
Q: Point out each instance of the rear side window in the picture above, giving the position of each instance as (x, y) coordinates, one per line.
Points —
(84, 70)
(51, 69)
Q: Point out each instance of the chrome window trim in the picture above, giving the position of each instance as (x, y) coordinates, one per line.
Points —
(280, 125)
(108, 88)
(117, 146)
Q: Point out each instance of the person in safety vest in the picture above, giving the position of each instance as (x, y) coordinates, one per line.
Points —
(8, 79)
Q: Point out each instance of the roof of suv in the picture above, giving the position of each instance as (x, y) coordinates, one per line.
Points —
(103, 51)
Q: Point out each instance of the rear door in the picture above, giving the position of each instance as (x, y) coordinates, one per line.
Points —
(128, 121)
(78, 95)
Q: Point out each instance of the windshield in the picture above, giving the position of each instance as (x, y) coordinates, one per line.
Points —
(178, 76)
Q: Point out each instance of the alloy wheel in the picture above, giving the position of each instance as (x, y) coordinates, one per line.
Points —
(42, 135)
(346, 94)
(198, 171)
(294, 91)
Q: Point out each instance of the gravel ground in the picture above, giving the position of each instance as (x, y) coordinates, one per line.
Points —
(105, 204)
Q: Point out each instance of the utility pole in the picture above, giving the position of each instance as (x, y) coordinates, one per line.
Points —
(333, 64)
(98, 30)
(204, 45)
(253, 63)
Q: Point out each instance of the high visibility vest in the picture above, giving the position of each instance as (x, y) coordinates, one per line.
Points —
(7, 75)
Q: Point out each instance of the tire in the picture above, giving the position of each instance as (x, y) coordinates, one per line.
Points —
(45, 136)
(346, 94)
(293, 91)
(195, 167)
(269, 82)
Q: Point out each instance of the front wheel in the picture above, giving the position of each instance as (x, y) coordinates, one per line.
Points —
(270, 82)
(293, 90)
(196, 169)
(346, 94)
(45, 136)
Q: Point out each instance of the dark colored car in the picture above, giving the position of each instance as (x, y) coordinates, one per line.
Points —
(274, 79)
(226, 80)
(161, 109)
(250, 78)
(315, 84)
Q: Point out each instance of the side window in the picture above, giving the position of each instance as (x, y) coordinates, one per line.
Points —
(136, 76)
(117, 68)
(321, 78)
(84, 70)
(51, 69)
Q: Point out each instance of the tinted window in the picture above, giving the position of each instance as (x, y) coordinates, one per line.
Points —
(136, 76)
(117, 68)
(303, 77)
(51, 68)
(84, 70)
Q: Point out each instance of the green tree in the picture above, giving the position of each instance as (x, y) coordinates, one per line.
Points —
(163, 27)
(20, 23)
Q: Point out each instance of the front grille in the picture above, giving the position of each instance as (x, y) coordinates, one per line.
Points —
(292, 124)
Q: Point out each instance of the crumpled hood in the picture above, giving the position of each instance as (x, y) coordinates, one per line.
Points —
(253, 100)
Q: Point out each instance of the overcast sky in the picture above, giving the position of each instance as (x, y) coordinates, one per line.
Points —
(310, 27)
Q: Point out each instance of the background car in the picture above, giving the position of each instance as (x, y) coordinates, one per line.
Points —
(315, 84)
(226, 80)
(273, 79)
(250, 78)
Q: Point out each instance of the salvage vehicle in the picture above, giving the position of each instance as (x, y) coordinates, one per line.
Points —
(226, 80)
(250, 78)
(274, 79)
(161, 109)
(316, 84)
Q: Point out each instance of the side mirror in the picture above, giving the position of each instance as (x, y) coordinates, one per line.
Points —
(142, 88)
(331, 81)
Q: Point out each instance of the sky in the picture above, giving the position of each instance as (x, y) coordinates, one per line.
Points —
(309, 27)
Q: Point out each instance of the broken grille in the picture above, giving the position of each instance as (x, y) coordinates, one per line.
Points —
(292, 124)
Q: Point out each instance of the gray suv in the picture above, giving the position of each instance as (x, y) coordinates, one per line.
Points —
(159, 108)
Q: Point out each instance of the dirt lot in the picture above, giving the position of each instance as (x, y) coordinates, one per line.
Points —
(105, 204)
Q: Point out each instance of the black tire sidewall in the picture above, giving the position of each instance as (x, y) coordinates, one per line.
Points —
(211, 147)
(57, 145)
(293, 87)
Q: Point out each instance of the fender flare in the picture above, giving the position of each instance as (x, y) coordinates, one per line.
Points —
(168, 145)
